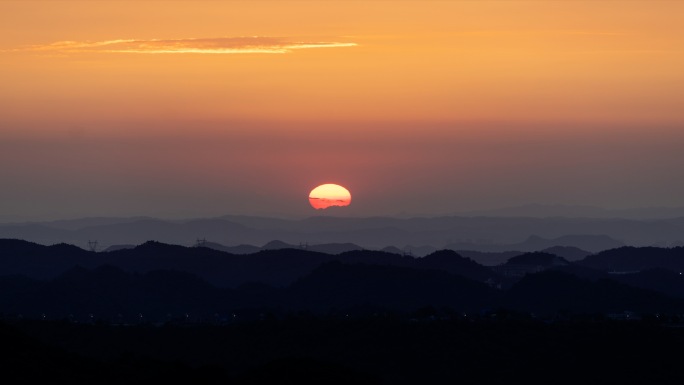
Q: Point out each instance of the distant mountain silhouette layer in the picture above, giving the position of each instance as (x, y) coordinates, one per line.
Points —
(274, 267)
(631, 259)
(118, 247)
(489, 258)
(592, 243)
(578, 211)
(540, 259)
(418, 236)
(568, 252)
(161, 281)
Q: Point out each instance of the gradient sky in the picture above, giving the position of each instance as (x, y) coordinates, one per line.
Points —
(188, 109)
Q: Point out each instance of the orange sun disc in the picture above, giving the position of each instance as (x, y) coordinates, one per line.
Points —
(327, 195)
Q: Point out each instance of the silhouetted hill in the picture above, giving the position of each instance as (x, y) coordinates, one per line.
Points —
(489, 258)
(327, 248)
(444, 260)
(239, 249)
(539, 259)
(450, 261)
(17, 247)
(40, 262)
(557, 292)
(420, 251)
(570, 253)
(637, 259)
(528, 263)
(593, 243)
(277, 267)
(342, 286)
(334, 248)
(661, 280)
(161, 280)
(372, 257)
(118, 247)
(392, 249)
(277, 245)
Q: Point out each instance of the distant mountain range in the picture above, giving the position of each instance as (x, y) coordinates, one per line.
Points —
(593, 243)
(277, 267)
(416, 236)
(162, 281)
(485, 258)
(578, 211)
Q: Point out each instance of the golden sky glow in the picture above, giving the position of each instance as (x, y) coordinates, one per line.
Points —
(451, 60)
(460, 99)
(223, 45)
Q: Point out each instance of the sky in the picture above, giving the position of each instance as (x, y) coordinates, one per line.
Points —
(182, 109)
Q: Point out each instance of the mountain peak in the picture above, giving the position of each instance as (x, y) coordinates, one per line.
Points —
(277, 244)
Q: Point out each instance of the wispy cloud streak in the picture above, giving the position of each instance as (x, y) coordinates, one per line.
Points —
(223, 45)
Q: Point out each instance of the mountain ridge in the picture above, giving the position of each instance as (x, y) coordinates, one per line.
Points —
(420, 235)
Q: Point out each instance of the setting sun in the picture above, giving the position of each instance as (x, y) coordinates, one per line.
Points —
(327, 195)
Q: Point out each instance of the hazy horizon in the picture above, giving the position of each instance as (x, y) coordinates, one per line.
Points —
(201, 109)
(535, 210)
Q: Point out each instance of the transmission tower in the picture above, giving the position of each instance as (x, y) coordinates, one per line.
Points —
(201, 242)
(92, 246)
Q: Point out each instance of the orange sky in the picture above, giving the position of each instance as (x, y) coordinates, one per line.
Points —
(477, 103)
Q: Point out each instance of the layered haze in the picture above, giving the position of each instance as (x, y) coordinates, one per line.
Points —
(146, 108)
